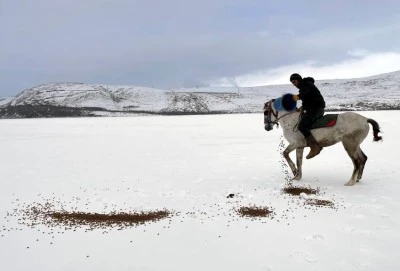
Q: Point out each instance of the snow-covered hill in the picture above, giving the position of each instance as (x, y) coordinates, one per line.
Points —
(5, 100)
(78, 99)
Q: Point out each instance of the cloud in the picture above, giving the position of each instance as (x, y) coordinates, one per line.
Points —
(358, 52)
(185, 43)
(361, 64)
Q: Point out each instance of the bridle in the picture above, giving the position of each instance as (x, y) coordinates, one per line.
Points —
(268, 111)
(267, 114)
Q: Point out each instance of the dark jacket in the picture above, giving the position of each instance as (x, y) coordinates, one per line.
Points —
(310, 95)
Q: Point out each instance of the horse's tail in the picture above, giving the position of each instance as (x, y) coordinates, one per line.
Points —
(375, 127)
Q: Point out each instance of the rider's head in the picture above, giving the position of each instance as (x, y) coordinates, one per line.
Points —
(295, 79)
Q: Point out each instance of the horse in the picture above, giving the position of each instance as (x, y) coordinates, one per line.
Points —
(350, 128)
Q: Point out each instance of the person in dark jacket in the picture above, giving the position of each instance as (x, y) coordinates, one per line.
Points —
(314, 107)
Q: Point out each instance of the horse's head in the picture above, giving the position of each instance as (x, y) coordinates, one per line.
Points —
(270, 115)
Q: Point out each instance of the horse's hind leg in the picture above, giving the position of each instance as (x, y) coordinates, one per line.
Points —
(352, 150)
(363, 161)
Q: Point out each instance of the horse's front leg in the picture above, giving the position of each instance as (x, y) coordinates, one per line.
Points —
(286, 153)
(299, 162)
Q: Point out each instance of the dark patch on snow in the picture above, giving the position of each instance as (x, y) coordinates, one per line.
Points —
(255, 211)
(297, 190)
(230, 196)
(320, 203)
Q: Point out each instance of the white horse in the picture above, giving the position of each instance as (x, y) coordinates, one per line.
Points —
(350, 128)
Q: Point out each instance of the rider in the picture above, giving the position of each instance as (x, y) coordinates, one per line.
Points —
(313, 105)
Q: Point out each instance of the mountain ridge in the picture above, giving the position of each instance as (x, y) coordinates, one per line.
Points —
(377, 92)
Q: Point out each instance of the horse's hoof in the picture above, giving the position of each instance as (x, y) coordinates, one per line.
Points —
(297, 177)
(349, 184)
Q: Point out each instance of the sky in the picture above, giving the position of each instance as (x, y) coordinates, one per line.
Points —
(168, 44)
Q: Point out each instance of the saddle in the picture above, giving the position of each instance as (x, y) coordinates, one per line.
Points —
(327, 120)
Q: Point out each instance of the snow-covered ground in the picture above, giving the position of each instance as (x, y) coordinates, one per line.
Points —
(190, 164)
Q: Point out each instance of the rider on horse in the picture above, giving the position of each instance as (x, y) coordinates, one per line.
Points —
(314, 107)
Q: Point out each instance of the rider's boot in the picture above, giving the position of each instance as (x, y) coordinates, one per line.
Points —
(315, 148)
